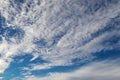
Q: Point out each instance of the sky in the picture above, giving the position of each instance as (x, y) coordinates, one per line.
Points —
(59, 39)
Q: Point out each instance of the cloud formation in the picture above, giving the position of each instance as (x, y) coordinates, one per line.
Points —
(58, 31)
(104, 70)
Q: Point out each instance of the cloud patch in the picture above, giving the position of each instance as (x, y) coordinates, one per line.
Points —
(104, 70)
(58, 31)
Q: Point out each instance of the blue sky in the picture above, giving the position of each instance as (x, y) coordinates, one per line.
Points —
(59, 40)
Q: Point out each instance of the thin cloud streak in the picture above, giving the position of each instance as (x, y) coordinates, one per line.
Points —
(104, 70)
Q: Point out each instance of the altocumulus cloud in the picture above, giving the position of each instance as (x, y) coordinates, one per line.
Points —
(60, 32)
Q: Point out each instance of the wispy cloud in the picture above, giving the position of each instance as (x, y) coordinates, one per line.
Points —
(104, 70)
(59, 31)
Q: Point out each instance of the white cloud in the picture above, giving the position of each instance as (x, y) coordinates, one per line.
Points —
(104, 70)
(62, 19)
(4, 64)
